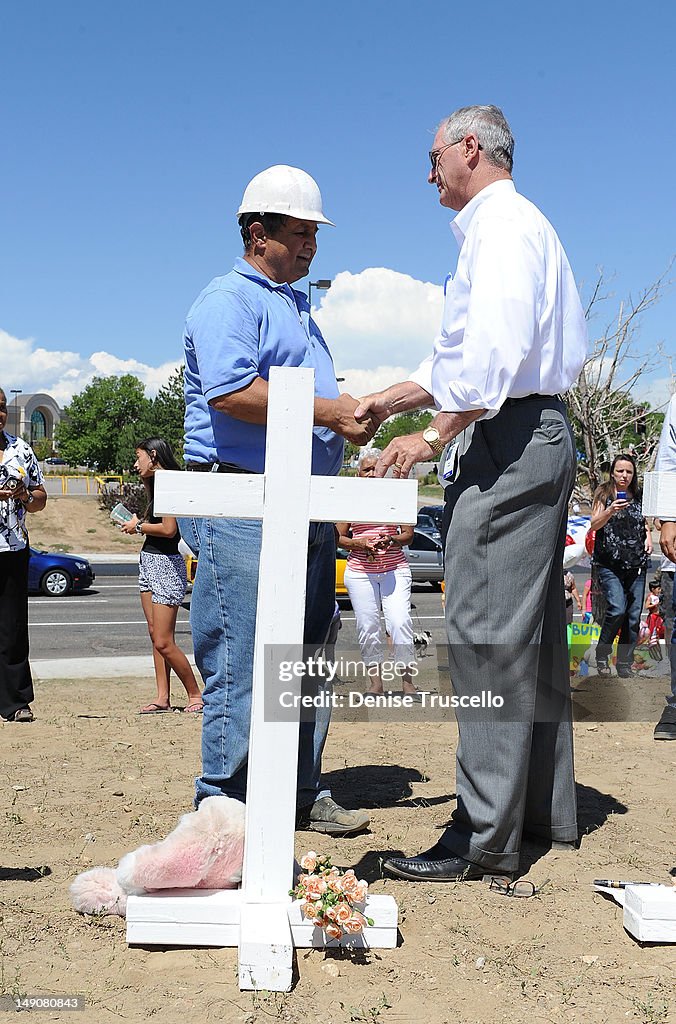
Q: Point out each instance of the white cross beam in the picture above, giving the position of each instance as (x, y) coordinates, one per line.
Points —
(287, 498)
(659, 495)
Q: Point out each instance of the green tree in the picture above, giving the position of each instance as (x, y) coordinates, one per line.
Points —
(163, 417)
(101, 424)
(168, 412)
(42, 448)
(403, 423)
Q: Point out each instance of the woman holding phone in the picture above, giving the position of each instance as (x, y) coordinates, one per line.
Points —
(622, 552)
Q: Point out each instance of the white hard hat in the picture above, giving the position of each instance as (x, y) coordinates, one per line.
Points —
(287, 190)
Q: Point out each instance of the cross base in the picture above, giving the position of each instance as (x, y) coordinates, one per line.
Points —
(218, 917)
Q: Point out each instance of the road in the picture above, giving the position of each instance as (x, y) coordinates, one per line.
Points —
(107, 620)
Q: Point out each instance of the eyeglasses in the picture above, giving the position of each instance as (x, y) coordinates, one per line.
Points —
(3, 407)
(435, 154)
(523, 889)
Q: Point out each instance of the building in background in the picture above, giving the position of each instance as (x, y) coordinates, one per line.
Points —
(33, 416)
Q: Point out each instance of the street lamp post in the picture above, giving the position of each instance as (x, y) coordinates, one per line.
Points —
(16, 392)
(324, 285)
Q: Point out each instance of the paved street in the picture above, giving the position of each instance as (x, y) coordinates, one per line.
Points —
(107, 620)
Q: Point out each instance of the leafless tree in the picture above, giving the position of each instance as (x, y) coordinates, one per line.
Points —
(606, 418)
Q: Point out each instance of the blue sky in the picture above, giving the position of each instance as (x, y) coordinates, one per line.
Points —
(130, 131)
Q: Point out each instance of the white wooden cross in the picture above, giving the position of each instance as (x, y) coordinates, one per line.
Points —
(659, 495)
(260, 918)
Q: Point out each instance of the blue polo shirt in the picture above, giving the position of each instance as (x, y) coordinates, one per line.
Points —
(240, 326)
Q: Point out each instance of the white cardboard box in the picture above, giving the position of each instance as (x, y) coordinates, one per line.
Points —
(650, 912)
(211, 917)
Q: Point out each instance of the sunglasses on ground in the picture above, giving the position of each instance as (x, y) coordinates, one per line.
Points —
(522, 889)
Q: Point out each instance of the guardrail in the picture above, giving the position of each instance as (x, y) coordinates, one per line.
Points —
(56, 483)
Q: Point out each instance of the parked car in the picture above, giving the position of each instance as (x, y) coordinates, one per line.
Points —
(57, 575)
(425, 557)
(341, 562)
(54, 460)
(435, 512)
(426, 524)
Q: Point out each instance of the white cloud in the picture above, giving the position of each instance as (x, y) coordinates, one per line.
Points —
(379, 325)
(62, 373)
(656, 390)
(363, 382)
(379, 318)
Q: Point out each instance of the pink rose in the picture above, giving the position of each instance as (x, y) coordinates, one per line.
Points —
(315, 887)
(343, 912)
(309, 861)
(349, 884)
(354, 923)
(360, 891)
(309, 910)
(333, 931)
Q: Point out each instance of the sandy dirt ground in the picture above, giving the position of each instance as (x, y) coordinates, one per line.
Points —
(76, 524)
(90, 780)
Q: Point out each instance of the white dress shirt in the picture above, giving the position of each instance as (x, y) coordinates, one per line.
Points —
(666, 463)
(512, 323)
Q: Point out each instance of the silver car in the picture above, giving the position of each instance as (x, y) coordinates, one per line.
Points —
(425, 557)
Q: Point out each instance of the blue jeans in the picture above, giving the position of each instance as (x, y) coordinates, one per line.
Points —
(669, 603)
(623, 590)
(223, 621)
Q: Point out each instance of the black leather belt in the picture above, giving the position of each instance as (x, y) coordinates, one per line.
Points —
(214, 467)
(531, 398)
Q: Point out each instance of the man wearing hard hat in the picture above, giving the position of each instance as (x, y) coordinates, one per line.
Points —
(242, 324)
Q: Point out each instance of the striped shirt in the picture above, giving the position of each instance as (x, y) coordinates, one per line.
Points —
(383, 561)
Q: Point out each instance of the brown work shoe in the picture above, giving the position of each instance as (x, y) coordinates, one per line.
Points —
(326, 816)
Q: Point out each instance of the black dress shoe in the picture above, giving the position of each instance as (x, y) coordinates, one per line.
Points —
(435, 865)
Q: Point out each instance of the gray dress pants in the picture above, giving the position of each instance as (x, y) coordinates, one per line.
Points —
(505, 616)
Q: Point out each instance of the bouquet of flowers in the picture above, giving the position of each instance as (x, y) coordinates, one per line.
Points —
(330, 896)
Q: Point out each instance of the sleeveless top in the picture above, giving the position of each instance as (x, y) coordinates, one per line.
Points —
(160, 545)
(620, 544)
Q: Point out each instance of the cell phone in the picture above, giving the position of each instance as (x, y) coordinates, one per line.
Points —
(622, 495)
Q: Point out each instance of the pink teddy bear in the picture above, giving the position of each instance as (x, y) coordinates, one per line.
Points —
(205, 851)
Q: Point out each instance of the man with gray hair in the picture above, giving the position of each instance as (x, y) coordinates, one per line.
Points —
(512, 339)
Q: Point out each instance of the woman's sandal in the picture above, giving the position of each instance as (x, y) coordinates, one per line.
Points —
(196, 708)
(154, 709)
